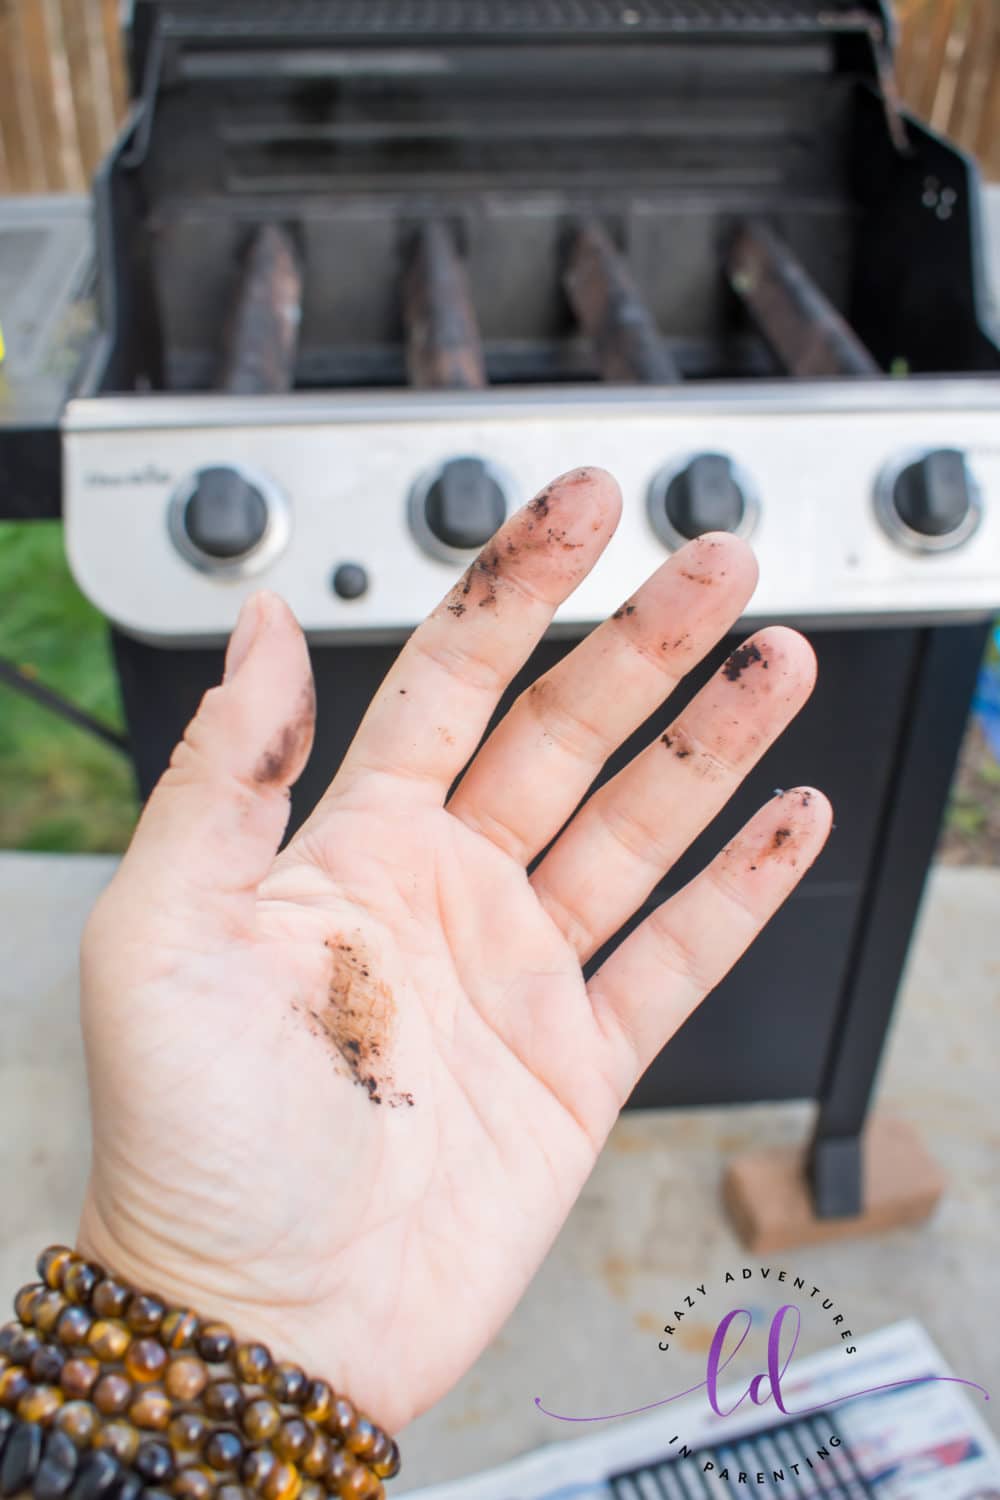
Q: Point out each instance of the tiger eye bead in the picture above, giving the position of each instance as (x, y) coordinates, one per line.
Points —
(45, 1365)
(385, 1458)
(283, 1483)
(40, 1403)
(311, 1490)
(144, 1313)
(78, 1375)
(287, 1384)
(318, 1401)
(317, 1459)
(110, 1298)
(261, 1420)
(360, 1485)
(179, 1328)
(74, 1325)
(48, 1310)
(108, 1339)
(253, 1363)
(342, 1419)
(362, 1440)
(52, 1263)
(223, 1399)
(120, 1439)
(8, 1333)
(151, 1409)
(293, 1438)
(193, 1484)
(341, 1464)
(145, 1359)
(23, 1344)
(257, 1467)
(342, 1474)
(187, 1432)
(186, 1377)
(215, 1342)
(154, 1461)
(14, 1384)
(112, 1395)
(79, 1421)
(224, 1450)
(233, 1491)
(79, 1282)
(27, 1299)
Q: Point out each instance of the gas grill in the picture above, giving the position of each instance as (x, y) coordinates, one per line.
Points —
(371, 273)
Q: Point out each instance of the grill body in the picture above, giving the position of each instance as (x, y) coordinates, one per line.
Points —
(350, 126)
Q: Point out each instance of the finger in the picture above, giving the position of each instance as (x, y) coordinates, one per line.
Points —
(538, 763)
(217, 815)
(436, 701)
(665, 968)
(633, 829)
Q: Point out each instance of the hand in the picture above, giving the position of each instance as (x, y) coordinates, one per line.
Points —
(344, 1096)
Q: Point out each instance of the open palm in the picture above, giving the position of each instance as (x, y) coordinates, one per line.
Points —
(344, 1096)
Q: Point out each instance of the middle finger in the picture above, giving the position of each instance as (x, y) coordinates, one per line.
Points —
(540, 760)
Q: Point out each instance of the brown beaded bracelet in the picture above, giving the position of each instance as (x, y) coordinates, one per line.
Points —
(156, 1401)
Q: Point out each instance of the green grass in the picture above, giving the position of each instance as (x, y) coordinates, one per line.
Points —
(60, 788)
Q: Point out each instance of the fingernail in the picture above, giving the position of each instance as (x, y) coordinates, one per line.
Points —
(243, 636)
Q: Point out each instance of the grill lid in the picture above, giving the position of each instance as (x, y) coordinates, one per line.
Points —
(222, 25)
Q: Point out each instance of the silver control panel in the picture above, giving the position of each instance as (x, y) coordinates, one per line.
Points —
(864, 500)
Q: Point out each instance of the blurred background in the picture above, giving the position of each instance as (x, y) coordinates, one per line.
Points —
(62, 96)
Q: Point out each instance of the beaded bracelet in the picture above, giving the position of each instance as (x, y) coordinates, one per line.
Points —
(107, 1393)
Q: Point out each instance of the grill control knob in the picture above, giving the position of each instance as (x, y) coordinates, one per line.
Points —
(459, 507)
(705, 494)
(935, 497)
(225, 516)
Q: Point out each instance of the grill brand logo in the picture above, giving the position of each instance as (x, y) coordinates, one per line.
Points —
(731, 1334)
(149, 474)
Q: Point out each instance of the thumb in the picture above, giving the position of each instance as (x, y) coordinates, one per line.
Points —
(213, 823)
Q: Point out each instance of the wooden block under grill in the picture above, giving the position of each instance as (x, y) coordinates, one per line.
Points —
(768, 1200)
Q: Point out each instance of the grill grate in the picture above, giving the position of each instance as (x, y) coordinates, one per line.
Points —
(770, 1452)
(380, 19)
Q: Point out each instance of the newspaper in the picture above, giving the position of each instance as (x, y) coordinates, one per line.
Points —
(917, 1442)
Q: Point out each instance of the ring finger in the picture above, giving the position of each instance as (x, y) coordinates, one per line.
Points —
(634, 828)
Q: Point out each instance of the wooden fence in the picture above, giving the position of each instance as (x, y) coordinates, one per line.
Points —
(62, 88)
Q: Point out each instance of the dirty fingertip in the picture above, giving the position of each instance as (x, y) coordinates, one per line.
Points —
(587, 485)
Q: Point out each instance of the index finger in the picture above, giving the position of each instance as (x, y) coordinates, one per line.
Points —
(437, 699)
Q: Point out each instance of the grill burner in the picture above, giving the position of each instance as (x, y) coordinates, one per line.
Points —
(522, 235)
(444, 351)
(805, 331)
(265, 331)
(612, 313)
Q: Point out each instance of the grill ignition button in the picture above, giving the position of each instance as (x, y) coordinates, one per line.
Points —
(704, 493)
(458, 507)
(932, 503)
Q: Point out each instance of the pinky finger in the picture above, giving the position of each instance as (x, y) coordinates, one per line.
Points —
(664, 969)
